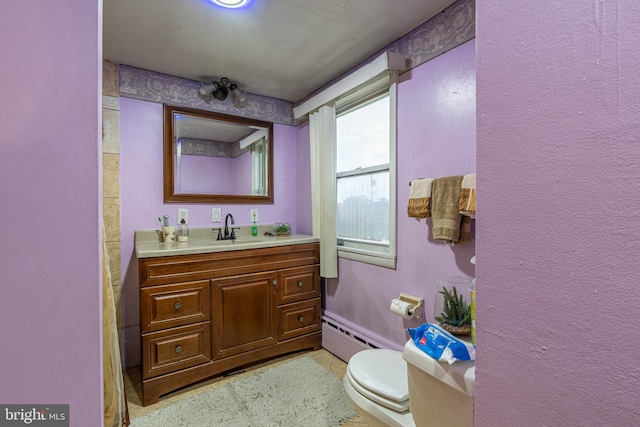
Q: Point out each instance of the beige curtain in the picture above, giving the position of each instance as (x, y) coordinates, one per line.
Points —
(323, 187)
(115, 403)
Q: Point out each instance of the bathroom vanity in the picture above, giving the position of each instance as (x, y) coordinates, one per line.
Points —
(209, 307)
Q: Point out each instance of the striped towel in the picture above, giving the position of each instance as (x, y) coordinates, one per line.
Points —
(419, 198)
(468, 194)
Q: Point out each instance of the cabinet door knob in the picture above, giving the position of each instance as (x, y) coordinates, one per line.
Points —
(177, 305)
(274, 282)
(178, 349)
(300, 318)
(300, 284)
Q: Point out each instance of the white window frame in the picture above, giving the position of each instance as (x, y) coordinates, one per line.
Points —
(259, 157)
(366, 251)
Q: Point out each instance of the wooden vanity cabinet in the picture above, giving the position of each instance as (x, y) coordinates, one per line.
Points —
(205, 314)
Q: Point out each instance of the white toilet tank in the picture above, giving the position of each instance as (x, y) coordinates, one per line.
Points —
(439, 394)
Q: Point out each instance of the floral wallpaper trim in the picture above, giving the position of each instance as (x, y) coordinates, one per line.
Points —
(151, 86)
(201, 147)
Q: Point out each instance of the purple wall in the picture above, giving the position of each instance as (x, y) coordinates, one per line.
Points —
(242, 174)
(205, 174)
(50, 162)
(141, 198)
(436, 137)
(558, 232)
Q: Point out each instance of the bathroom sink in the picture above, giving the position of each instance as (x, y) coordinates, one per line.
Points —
(240, 240)
(217, 242)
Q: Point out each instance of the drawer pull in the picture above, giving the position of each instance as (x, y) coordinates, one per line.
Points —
(274, 282)
(177, 305)
(178, 349)
(300, 318)
(300, 284)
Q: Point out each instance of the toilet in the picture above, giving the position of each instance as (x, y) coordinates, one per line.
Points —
(409, 388)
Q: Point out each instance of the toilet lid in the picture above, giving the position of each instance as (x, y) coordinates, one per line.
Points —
(383, 373)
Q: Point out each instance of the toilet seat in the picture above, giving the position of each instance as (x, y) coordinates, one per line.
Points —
(381, 376)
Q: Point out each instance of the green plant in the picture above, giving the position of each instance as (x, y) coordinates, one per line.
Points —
(455, 311)
(283, 228)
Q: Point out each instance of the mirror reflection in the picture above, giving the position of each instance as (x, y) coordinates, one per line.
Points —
(215, 158)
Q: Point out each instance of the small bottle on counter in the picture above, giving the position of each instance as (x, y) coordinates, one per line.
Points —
(182, 232)
(254, 229)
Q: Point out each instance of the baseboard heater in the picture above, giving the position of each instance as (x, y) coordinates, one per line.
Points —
(344, 341)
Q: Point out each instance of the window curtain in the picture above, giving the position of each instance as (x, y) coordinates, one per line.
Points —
(323, 187)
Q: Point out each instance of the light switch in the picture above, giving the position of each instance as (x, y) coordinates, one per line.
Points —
(216, 215)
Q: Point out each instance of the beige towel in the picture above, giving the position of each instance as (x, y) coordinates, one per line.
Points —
(419, 197)
(445, 211)
(468, 194)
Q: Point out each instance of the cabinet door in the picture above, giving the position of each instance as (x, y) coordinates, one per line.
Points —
(243, 313)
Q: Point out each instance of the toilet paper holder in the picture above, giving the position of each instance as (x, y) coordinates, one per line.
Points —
(414, 301)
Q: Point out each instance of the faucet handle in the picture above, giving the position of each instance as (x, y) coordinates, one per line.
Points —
(219, 233)
(233, 232)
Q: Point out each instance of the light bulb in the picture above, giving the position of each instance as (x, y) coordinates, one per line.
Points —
(230, 4)
(239, 97)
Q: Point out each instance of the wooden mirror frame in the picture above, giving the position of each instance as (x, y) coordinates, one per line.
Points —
(168, 164)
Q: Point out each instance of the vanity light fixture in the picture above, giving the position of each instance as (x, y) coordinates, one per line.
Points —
(230, 4)
(220, 89)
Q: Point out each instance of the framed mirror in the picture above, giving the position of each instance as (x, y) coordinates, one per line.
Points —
(215, 158)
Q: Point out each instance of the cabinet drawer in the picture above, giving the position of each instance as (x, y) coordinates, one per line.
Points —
(298, 319)
(298, 284)
(175, 349)
(169, 306)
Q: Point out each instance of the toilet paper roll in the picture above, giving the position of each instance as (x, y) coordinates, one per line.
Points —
(402, 308)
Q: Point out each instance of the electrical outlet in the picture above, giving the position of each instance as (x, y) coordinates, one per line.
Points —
(254, 215)
(216, 215)
(183, 214)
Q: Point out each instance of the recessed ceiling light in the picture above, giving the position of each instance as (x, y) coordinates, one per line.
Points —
(230, 4)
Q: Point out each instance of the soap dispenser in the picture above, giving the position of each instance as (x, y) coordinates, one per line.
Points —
(254, 229)
(182, 233)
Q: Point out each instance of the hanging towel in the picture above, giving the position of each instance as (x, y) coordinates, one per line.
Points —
(419, 197)
(468, 194)
(445, 212)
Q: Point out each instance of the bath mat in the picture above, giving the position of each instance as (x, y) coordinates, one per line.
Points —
(299, 393)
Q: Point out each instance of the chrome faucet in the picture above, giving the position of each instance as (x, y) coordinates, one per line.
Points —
(226, 227)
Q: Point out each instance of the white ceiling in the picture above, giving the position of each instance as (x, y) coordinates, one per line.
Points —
(280, 48)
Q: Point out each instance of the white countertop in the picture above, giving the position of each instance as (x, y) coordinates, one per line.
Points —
(203, 240)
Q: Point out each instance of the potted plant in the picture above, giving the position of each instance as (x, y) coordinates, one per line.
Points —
(456, 313)
(282, 229)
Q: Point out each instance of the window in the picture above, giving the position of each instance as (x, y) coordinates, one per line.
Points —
(363, 184)
(365, 205)
(259, 170)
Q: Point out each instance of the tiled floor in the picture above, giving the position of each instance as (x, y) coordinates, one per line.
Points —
(133, 384)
